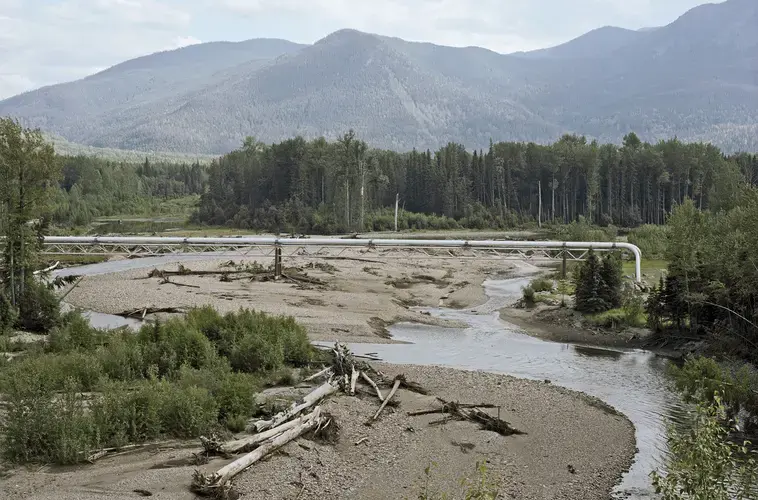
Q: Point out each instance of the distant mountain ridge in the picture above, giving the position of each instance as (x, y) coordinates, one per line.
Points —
(696, 78)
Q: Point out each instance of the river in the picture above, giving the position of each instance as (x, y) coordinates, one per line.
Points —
(632, 381)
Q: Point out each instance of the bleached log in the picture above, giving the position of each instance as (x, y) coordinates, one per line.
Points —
(353, 379)
(309, 400)
(372, 384)
(209, 484)
(389, 396)
(322, 373)
(47, 269)
(248, 443)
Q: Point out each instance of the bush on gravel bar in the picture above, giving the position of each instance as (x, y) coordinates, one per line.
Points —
(86, 389)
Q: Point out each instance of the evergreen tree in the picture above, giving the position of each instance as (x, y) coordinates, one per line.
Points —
(590, 287)
(611, 274)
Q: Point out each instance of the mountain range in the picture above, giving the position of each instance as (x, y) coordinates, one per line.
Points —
(696, 78)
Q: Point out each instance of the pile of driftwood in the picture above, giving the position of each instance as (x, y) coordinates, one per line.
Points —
(301, 417)
(306, 416)
(254, 272)
(471, 412)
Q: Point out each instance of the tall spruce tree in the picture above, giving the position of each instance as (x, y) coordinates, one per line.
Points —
(611, 274)
(590, 286)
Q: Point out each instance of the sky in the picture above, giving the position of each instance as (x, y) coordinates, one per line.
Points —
(43, 42)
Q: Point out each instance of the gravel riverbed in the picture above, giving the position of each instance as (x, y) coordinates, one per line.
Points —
(575, 447)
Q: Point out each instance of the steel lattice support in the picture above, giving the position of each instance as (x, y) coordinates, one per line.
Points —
(335, 247)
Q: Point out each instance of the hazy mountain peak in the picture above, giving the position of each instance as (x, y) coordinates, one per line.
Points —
(598, 42)
(694, 78)
(347, 35)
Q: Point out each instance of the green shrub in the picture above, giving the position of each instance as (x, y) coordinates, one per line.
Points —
(704, 464)
(581, 231)
(633, 306)
(254, 353)
(737, 383)
(236, 397)
(51, 371)
(167, 346)
(529, 297)
(237, 423)
(188, 412)
(122, 357)
(652, 240)
(297, 347)
(40, 426)
(542, 285)
(39, 309)
(129, 414)
(207, 320)
(233, 392)
(74, 334)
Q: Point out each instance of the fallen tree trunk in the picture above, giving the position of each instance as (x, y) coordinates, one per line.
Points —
(144, 311)
(47, 269)
(322, 373)
(443, 409)
(247, 444)
(217, 483)
(373, 384)
(309, 400)
(303, 279)
(472, 413)
(389, 396)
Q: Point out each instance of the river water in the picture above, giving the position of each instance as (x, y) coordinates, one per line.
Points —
(632, 381)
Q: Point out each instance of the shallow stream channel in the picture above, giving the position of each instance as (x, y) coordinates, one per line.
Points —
(632, 381)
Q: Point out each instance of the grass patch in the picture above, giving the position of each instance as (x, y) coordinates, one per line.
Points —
(651, 269)
(617, 318)
(86, 389)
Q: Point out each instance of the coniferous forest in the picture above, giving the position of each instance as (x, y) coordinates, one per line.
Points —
(344, 185)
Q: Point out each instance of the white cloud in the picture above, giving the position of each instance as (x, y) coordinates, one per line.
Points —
(181, 41)
(44, 42)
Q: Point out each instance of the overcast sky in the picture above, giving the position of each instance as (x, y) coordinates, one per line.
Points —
(50, 41)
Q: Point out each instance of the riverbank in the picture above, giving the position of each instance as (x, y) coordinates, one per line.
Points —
(575, 447)
(351, 298)
(564, 325)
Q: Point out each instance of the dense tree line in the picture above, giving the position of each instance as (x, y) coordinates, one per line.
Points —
(711, 287)
(92, 187)
(344, 185)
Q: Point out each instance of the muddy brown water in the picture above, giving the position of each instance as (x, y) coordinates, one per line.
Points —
(632, 381)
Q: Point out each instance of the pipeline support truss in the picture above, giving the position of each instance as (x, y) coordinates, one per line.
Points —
(139, 246)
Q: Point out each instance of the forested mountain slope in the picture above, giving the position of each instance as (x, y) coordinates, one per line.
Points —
(696, 78)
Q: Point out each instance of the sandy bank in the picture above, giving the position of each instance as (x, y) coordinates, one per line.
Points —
(359, 299)
(564, 325)
(575, 448)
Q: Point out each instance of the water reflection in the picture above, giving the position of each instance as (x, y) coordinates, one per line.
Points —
(597, 352)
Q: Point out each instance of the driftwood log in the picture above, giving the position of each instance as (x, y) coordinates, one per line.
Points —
(370, 382)
(323, 373)
(309, 400)
(343, 374)
(395, 387)
(216, 484)
(247, 444)
(471, 412)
